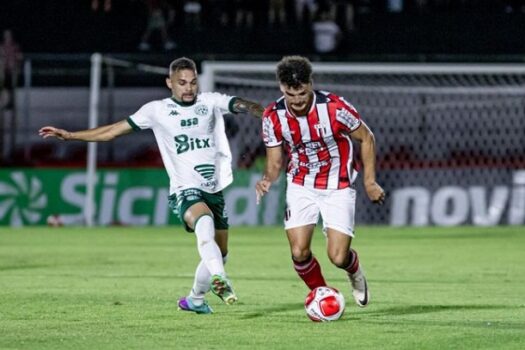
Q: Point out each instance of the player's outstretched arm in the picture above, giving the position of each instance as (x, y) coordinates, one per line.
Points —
(274, 160)
(368, 156)
(242, 106)
(102, 133)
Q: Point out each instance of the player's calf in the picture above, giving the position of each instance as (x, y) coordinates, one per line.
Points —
(357, 279)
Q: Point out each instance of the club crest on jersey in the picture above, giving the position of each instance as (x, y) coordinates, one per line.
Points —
(201, 110)
(344, 116)
(321, 129)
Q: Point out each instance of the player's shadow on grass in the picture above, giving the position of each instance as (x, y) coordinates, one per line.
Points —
(280, 308)
(425, 309)
(23, 267)
(273, 309)
(385, 316)
(391, 311)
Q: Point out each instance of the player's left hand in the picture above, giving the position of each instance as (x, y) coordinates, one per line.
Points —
(375, 192)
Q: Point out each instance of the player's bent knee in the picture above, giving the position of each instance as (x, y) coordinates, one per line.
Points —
(339, 260)
(300, 255)
(204, 229)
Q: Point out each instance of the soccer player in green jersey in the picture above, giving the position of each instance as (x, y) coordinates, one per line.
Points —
(189, 130)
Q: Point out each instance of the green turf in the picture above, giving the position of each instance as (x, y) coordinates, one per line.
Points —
(116, 288)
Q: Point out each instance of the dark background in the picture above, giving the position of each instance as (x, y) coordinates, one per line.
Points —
(425, 30)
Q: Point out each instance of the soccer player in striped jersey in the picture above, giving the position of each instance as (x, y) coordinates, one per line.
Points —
(189, 130)
(316, 129)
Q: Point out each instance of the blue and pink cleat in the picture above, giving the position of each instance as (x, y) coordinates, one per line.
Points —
(186, 304)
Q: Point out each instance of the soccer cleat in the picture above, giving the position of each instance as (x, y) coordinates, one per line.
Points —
(221, 287)
(359, 288)
(185, 304)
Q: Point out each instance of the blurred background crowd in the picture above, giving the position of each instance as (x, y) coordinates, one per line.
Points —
(269, 26)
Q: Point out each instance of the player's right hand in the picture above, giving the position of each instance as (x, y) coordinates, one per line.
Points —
(50, 131)
(261, 188)
(375, 193)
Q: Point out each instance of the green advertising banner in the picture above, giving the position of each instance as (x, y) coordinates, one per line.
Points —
(122, 197)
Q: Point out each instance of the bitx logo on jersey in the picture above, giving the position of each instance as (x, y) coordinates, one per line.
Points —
(184, 143)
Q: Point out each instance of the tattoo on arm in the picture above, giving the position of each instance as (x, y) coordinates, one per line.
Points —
(242, 106)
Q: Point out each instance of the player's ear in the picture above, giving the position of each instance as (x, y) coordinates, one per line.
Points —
(168, 83)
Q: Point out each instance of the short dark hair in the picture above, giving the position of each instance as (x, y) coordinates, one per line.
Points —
(294, 71)
(182, 63)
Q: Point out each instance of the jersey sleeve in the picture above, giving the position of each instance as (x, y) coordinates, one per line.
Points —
(347, 116)
(221, 101)
(143, 118)
(270, 133)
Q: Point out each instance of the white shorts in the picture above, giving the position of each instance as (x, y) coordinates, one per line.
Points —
(337, 208)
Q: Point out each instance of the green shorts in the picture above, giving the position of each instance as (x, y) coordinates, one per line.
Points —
(188, 197)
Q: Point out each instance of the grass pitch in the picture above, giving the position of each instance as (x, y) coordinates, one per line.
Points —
(116, 288)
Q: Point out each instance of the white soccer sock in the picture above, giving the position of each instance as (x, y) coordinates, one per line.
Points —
(201, 283)
(208, 249)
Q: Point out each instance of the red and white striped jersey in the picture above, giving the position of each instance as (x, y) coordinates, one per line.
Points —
(318, 145)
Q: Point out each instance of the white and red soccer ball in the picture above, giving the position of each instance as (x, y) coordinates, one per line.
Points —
(324, 304)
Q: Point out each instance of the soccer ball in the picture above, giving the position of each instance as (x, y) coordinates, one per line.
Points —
(324, 304)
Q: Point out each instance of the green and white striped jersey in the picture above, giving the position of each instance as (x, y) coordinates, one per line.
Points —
(191, 139)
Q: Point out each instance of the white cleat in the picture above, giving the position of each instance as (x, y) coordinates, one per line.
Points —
(359, 288)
